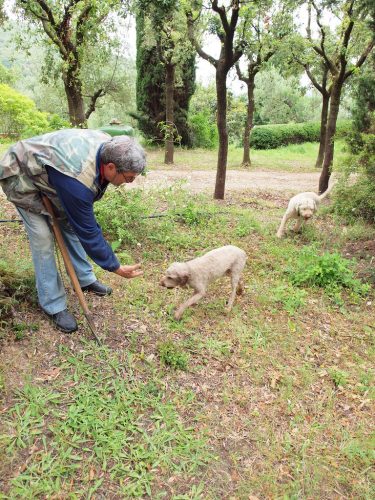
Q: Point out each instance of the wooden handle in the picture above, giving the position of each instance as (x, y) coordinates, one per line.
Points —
(69, 266)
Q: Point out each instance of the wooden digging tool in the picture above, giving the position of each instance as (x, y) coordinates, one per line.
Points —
(69, 267)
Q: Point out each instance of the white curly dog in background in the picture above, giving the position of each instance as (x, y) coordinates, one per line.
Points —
(199, 272)
(302, 207)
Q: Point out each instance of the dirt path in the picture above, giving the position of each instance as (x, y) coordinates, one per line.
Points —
(236, 180)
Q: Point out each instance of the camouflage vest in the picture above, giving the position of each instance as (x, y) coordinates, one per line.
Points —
(72, 151)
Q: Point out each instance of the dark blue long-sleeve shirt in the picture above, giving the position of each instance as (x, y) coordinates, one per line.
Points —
(77, 201)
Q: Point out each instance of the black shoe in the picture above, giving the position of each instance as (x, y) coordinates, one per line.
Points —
(97, 288)
(64, 321)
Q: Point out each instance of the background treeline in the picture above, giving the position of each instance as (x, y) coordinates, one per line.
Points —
(138, 100)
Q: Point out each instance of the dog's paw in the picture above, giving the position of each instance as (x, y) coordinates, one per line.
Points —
(177, 315)
(279, 235)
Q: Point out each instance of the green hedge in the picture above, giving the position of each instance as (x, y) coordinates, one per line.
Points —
(274, 136)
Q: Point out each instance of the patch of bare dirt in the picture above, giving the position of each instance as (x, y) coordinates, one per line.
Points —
(364, 253)
(236, 180)
(360, 249)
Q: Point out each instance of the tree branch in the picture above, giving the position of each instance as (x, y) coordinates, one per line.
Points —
(94, 98)
(223, 15)
(362, 59)
(321, 50)
(240, 75)
(79, 25)
(198, 48)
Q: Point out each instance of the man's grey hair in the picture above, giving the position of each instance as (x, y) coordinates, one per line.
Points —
(125, 152)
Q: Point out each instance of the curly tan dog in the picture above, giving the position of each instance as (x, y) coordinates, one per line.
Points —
(198, 273)
(302, 207)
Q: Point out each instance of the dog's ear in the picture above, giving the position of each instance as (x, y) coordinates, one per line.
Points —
(298, 210)
(183, 279)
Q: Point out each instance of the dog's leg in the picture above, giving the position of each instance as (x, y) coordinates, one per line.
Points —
(284, 220)
(190, 302)
(240, 288)
(236, 286)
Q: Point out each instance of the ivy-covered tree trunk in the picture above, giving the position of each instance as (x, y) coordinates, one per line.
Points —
(246, 162)
(169, 115)
(150, 90)
(76, 106)
(330, 135)
(221, 119)
(323, 130)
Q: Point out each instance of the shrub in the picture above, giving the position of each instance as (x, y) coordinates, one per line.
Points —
(329, 271)
(355, 201)
(20, 117)
(122, 216)
(204, 131)
(275, 136)
(358, 200)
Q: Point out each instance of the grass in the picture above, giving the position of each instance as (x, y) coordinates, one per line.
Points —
(274, 400)
(292, 158)
(96, 427)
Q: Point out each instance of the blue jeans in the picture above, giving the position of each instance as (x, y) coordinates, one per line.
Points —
(51, 292)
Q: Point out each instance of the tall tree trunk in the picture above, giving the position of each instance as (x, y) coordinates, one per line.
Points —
(331, 129)
(246, 162)
(169, 112)
(221, 119)
(76, 107)
(323, 130)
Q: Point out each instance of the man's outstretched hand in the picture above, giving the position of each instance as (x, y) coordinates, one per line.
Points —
(129, 271)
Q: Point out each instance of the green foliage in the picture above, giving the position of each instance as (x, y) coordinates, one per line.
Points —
(6, 75)
(275, 136)
(204, 131)
(246, 225)
(191, 214)
(290, 297)
(357, 200)
(329, 271)
(150, 85)
(339, 377)
(172, 355)
(280, 99)
(20, 329)
(20, 117)
(121, 214)
(362, 451)
(126, 218)
(75, 37)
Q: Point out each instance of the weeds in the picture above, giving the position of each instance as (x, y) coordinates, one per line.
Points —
(329, 271)
(290, 297)
(172, 355)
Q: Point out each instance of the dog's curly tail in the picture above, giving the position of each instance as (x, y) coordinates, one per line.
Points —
(332, 184)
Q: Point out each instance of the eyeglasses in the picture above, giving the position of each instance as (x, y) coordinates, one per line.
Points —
(128, 176)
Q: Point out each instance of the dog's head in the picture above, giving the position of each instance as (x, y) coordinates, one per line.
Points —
(306, 209)
(177, 274)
